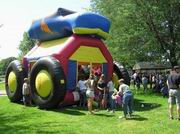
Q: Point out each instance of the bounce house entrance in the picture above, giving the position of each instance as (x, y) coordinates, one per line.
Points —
(85, 69)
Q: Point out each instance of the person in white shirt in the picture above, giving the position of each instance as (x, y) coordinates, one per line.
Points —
(90, 84)
(110, 87)
(26, 93)
(82, 90)
(127, 100)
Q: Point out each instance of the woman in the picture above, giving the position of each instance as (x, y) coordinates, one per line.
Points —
(90, 84)
(102, 94)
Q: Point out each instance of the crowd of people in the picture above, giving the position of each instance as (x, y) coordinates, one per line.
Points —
(168, 85)
(154, 82)
(105, 95)
(96, 90)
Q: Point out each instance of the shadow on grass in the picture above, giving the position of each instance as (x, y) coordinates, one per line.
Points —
(104, 115)
(137, 118)
(10, 124)
(139, 105)
(70, 110)
(76, 110)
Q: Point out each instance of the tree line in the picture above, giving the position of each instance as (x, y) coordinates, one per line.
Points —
(141, 30)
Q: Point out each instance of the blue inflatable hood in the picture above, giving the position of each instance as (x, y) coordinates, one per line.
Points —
(64, 23)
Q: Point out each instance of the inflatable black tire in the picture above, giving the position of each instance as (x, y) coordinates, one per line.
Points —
(14, 78)
(121, 72)
(57, 76)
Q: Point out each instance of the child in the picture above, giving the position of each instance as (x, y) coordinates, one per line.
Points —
(26, 93)
(117, 98)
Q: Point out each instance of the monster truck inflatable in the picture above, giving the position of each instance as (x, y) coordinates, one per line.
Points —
(69, 46)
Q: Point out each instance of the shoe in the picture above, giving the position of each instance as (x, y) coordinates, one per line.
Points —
(129, 115)
(108, 110)
(171, 118)
(178, 119)
(112, 111)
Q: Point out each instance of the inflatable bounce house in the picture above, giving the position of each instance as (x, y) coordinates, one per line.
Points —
(69, 47)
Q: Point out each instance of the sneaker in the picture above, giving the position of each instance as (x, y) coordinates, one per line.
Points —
(112, 111)
(171, 118)
(129, 116)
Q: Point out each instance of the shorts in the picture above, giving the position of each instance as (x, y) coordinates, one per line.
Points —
(90, 94)
(26, 98)
(174, 96)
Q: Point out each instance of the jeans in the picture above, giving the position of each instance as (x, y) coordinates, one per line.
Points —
(127, 103)
(111, 101)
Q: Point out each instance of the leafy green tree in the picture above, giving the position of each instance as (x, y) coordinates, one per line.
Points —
(4, 64)
(139, 30)
(162, 19)
(26, 44)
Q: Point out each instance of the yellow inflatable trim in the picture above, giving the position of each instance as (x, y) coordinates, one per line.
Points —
(91, 31)
(43, 83)
(51, 43)
(115, 80)
(88, 54)
(12, 81)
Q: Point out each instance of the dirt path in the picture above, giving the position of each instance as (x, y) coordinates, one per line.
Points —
(2, 93)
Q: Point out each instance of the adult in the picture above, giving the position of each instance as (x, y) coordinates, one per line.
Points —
(90, 84)
(101, 85)
(26, 92)
(127, 101)
(173, 83)
(82, 90)
(144, 82)
(110, 87)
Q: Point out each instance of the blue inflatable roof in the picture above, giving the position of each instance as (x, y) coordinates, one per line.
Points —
(65, 22)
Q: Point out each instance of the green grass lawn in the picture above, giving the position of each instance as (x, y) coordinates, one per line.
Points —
(2, 86)
(151, 119)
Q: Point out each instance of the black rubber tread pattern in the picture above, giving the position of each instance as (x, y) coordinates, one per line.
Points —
(121, 72)
(54, 68)
(18, 69)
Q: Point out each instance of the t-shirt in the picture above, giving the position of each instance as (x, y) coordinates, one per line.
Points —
(101, 84)
(25, 89)
(110, 86)
(81, 85)
(123, 88)
(174, 81)
(144, 80)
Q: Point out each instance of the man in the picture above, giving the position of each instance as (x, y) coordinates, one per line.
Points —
(173, 83)
(110, 87)
(127, 100)
(82, 89)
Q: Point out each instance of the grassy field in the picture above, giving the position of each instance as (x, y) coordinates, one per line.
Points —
(150, 119)
(2, 86)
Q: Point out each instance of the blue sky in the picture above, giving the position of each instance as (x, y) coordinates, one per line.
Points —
(17, 16)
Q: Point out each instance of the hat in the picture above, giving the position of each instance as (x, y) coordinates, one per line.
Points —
(176, 67)
(121, 80)
(25, 79)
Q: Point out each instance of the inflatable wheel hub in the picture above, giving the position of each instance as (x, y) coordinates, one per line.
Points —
(44, 84)
(12, 81)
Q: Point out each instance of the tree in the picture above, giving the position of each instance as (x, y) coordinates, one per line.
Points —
(4, 64)
(135, 23)
(26, 44)
(162, 18)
